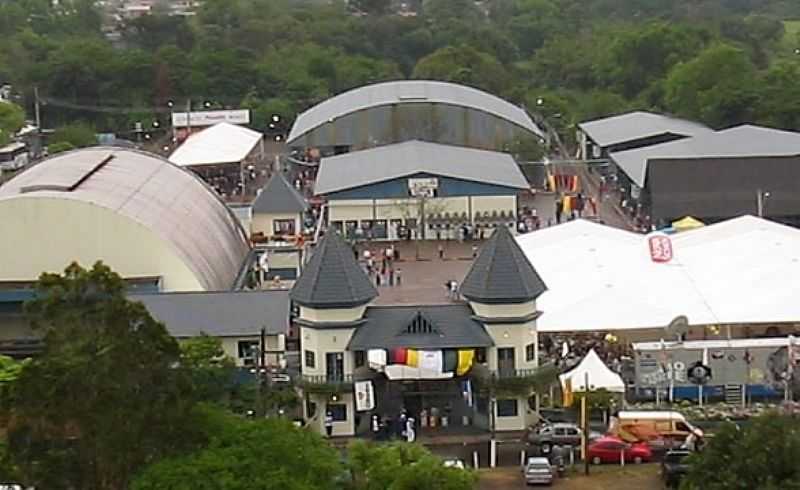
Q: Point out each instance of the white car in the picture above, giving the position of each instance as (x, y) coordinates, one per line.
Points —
(538, 471)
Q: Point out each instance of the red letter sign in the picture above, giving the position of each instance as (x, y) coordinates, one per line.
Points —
(660, 248)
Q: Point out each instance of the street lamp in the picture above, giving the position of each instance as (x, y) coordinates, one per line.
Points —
(276, 118)
(761, 196)
(207, 104)
(540, 101)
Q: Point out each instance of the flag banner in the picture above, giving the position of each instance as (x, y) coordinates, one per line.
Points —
(465, 360)
(365, 396)
(412, 359)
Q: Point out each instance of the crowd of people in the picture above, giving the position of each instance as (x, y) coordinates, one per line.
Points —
(566, 352)
(381, 266)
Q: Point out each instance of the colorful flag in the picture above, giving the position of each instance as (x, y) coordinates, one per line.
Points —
(430, 360)
(465, 360)
(412, 358)
(399, 355)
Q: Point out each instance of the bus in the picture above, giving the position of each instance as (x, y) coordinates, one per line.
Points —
(14, 156)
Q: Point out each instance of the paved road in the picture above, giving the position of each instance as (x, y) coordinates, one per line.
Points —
(607, 477)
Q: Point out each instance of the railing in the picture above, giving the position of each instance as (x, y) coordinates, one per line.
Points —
(328, 379)
(514, 373)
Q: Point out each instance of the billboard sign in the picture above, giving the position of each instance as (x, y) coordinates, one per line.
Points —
(660, 248)
(365, 396)
(209, 118)
(423, 187)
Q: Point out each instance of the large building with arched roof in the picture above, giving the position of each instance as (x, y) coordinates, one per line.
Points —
(149, 220)
(393, 112)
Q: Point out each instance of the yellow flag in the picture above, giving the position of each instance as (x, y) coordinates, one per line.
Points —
(465, 358)
(567, 392)
(412, 359)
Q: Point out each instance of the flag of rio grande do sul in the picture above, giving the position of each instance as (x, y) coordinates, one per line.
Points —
(660, 248)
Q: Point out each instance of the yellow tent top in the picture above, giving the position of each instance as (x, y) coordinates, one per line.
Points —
(687, 223)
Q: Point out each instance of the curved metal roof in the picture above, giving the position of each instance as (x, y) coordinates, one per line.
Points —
(173, 203)
(409, 91)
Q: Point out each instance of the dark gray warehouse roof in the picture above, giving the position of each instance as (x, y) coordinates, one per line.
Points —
(744, 141)
(451, 326)
(278, 196)
(333, 278)
(219, 314)
(637, 125)
(501, 274)
(409, 91)
(412, 157)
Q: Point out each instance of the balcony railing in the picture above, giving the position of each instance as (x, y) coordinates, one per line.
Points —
(514, 373)
(328, 379)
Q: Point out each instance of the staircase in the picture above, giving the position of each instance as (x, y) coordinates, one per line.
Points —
(734, 394)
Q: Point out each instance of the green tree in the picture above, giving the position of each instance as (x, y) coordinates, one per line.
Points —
(372, 7)
(210, 369)
(465, 65)
(402, 466)
(718, 87)
(78, 135)
(762, 455)
(12, 117)
(104, 398)
(779, 104)
(269, 454)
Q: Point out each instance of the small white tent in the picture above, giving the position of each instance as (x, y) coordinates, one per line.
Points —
(600, 376)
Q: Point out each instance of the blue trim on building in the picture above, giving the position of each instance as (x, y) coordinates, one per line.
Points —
(448, 187)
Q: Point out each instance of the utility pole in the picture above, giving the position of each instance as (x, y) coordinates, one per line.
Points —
(492, 423)
(37, 110)
(585, 425)
(188, 117)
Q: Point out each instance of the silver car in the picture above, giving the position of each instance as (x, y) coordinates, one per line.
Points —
(538, 471)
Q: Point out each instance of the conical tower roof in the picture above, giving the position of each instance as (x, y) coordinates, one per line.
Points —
(501, 274)
(278, 196)
(333, 278)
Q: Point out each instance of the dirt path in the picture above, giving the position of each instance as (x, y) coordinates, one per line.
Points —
(643, 477)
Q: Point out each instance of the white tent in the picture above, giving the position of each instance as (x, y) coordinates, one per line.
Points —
(600, 376)
(740, 271)
(218, 144)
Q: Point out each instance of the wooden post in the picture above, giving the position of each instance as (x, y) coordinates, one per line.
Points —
(585, 425)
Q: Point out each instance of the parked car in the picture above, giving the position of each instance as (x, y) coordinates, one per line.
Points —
(674, 466)
(454, 463)
(538, 471)
(558, 434)
(610, 450)
(670, 426)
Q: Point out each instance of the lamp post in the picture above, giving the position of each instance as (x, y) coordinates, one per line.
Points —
(761, 197)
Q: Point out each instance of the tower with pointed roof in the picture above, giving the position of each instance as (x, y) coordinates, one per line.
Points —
(502, 287)
(332, 293)
(278, 209)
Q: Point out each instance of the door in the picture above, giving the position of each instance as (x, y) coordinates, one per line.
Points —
(505, 361)
(334, 366)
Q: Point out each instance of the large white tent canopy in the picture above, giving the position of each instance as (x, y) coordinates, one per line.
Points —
(598, 374)
(744, 270)
(221, 143)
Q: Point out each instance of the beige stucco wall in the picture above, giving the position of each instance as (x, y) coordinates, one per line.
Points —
(317, 422)
(321, 342)
(46, 234)
(516, 336)
(332, 314)
(262, 222)
(520, 422)
(503, 311)
(481, 204)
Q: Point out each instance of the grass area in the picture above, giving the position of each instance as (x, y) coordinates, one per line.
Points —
(605, 477)
(791, 40)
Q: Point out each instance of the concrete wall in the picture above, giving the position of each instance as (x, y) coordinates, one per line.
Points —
(47, 234)
(519, 422)
(503, 311)
(321, 342)
(317, 420)
(332, 314)
(262, 222)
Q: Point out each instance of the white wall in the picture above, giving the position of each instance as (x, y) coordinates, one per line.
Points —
(332, 314)
(262, 222)
(322, 341)
(44, 234)
(317, 422)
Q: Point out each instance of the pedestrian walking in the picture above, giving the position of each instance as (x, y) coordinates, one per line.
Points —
(453, 290)
(375, 425)
(397, 276)
(329, 424)
(474, 251)
(559, 210)
(440, 248)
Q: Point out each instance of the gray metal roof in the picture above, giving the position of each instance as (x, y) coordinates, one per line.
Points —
(501, 274)
(278, 196)
(173, 203)
(219, 314)
(637, 125)
(333, 278)
(412, 157)
(386, 328)
(409, 91)
(740, 141)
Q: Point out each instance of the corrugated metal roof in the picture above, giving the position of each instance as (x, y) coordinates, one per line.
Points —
(501, 273)
(740, 141)
(220, 143)
(278, 196)
(175, 204)
(219, 314)
(409, 91)
(637, 125)
(412, 157)
(385, 328)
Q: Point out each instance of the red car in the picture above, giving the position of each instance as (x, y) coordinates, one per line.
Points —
(610, 449)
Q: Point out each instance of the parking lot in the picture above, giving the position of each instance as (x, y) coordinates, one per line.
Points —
(606, 477)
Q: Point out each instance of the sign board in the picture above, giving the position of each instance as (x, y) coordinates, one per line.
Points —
(365, 396)
(209, 118)
(660, 248)
(423, 187)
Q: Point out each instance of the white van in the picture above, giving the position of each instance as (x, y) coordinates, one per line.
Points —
(647, 426)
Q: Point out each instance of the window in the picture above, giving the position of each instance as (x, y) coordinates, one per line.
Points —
(530, 352)
(379, 230)
(248, 349)
(334, 366)
(360, 358)
(311, 361)
(480, 355)
(283, 227)
(681, 427)
(560, 431)
(338, 226)
(338, 411)
(420, 324)
(572, 432)
(507, 408)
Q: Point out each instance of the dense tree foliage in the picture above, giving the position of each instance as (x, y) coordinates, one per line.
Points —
(265, 454)
(763, 455)
(12, 117)
(105, 397)
(282, 56)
